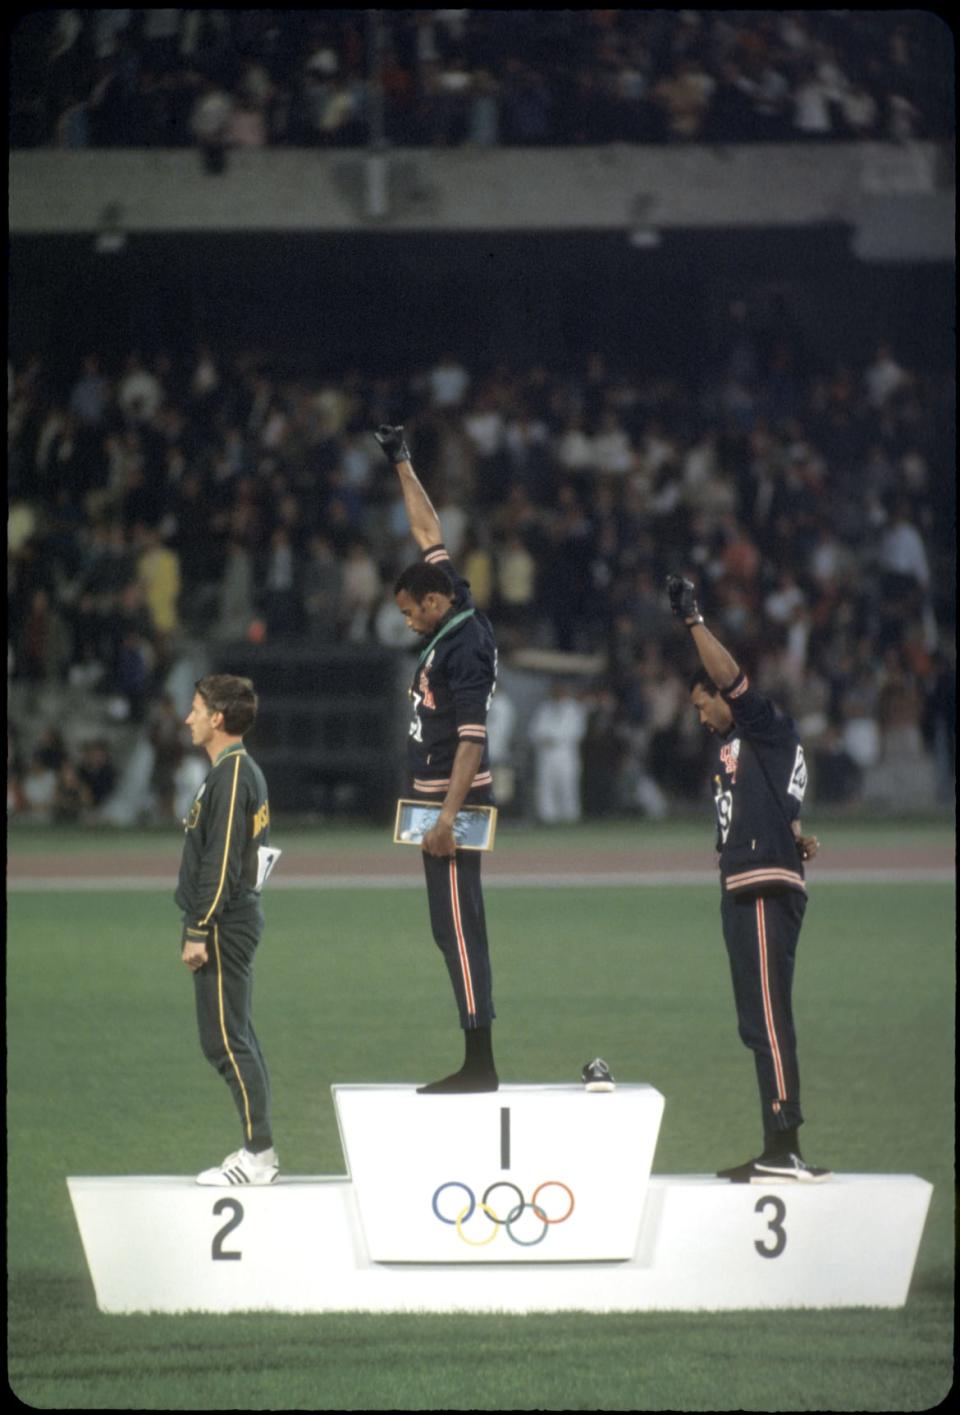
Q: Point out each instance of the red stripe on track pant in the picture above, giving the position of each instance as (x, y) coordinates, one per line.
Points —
(460, 932)
(761, 933)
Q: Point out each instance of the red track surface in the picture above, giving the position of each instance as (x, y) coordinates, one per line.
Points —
(402, 862)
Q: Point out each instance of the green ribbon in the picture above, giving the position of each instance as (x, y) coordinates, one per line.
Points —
(451, 624)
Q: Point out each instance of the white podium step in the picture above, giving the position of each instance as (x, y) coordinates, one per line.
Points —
(530, 1199)
(166, 1245)
(540, 1174)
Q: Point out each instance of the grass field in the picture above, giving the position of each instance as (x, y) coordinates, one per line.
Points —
(105, 1076)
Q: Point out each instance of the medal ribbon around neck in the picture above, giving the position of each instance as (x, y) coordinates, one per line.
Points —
(452, 624)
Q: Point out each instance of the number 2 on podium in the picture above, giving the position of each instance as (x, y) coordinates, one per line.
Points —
(217, 1251)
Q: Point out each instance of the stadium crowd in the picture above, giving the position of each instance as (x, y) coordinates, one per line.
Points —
(215, 496)
(255, 78)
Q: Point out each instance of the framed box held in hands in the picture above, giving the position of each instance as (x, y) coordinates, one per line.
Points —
(473, 829)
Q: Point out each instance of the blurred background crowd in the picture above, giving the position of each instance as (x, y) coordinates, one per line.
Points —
(214, 496)
(243, 78)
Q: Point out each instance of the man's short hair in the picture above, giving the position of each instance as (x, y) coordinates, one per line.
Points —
(233, 696)
(702, 679)
(420, 579)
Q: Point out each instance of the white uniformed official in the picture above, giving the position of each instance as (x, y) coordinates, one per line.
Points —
(556, 730)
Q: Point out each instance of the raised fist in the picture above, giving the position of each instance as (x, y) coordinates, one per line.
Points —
(391, 440)
(683, 600)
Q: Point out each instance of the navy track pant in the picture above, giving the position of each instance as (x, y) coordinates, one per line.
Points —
(761, 933)
(460, 932)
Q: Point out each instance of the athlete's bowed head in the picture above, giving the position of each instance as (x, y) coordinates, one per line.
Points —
(424, 594)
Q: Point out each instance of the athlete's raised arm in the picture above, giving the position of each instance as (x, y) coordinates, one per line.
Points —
(424, 521)
(718, 661)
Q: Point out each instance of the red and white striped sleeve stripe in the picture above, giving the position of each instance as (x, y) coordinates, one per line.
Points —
(756, 878)
(436, 554)
(482, 778)
(472, 731)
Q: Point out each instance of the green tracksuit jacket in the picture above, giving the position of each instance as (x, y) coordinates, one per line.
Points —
(227, 822)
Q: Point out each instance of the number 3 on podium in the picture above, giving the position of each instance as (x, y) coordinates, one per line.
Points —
(775, 1225)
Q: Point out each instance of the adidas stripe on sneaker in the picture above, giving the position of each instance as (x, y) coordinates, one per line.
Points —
(240, 1168)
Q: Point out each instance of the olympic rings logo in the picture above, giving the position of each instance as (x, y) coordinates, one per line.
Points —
(513, 1213)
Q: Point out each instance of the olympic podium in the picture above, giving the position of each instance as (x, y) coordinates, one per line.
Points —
(533, 1198)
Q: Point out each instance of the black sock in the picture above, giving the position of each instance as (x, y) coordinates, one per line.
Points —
(477, 1073)
(479, 1049)
(781, 1142)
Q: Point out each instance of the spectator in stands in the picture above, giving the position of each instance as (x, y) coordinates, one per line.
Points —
(860, 112)
(453, 522)
(158, 575)
(235, 594)
(90, 395)
(96, 771)
(281, 601)
(205, 381)
(903, 560)
(601, 753)
(38, 789)
(771, 102)
(483, 124)
(516, 579)
(448, 381)
(663, 694)
(165, 731)
(16, 801)
(903, 118)
(684, 98)
(837, 779)
(556, 730)
(43, 650)
(483, 424)
(361, 590)
(133, 661)
(780, 512)
(765, 76)
(139, 392)
(940, 721)
(501, 724)
(859, 709)
(71, 798)
(526, 106)
(564, 570)
(786, 597)
(731, 115)
(612, 449)
(248, 124)
(575, 451)
(884, 377)
(211, 122)
(322, 589)
(478, 568)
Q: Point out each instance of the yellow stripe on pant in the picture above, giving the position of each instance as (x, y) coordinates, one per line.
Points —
(248, 1126)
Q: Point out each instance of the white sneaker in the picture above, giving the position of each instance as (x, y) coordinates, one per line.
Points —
(784, 1169)
(242, 1168)
(789, 1168)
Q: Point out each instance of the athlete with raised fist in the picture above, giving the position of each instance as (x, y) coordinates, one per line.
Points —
(449, 762)
(759, 781)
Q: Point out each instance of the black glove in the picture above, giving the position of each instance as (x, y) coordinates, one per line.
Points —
(683, 600)
(391, 440)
